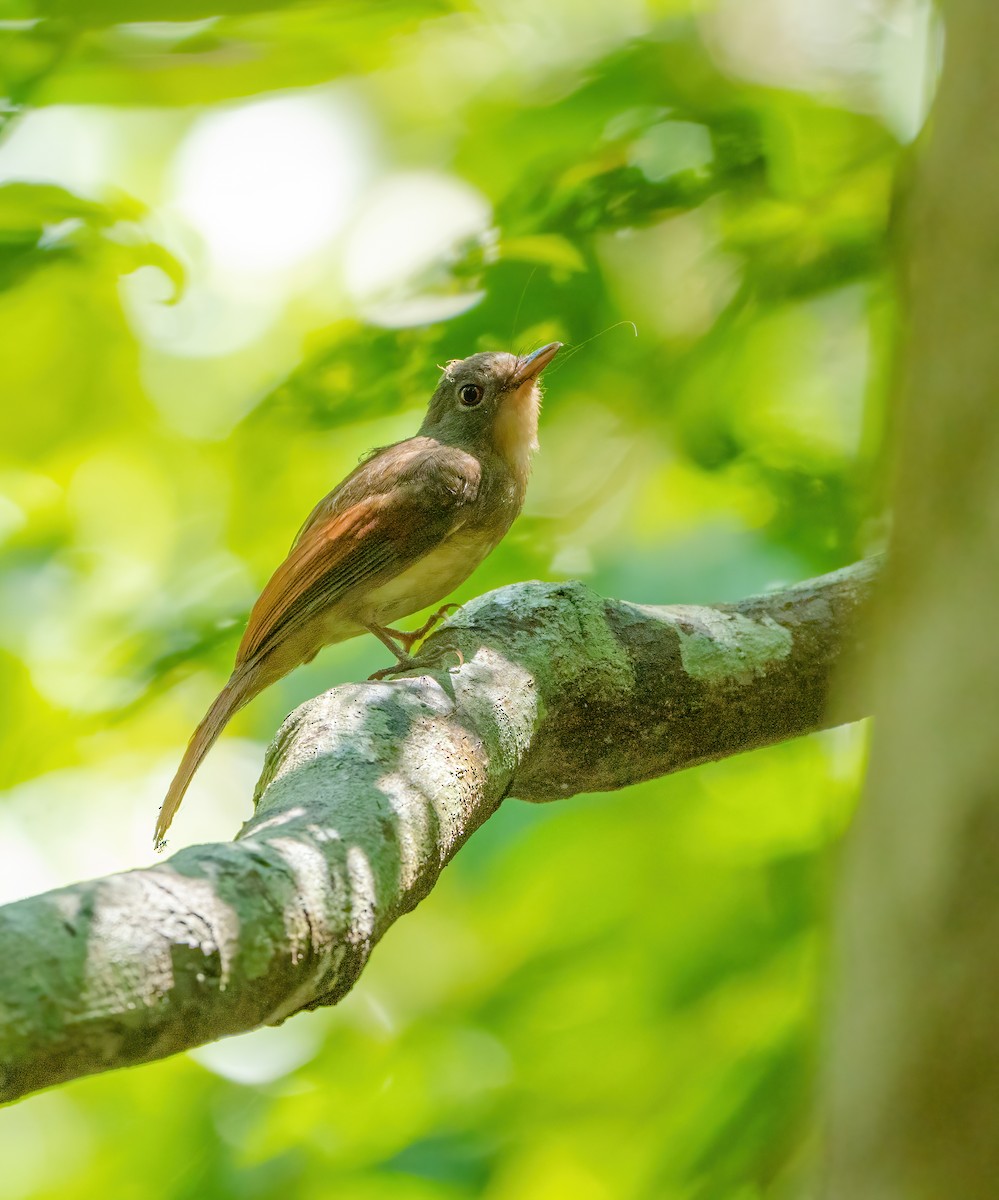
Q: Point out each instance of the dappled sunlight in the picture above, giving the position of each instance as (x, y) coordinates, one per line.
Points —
(193, 915)
(416, 834)
(364, 894)
(316, 930)
(267, 184)
(233, 254)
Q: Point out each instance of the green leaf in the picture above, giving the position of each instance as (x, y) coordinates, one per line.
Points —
(546, 249)
(27, 208)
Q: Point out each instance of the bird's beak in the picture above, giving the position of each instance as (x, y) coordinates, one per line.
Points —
(531, 367)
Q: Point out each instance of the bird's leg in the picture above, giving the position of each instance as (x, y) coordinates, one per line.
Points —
(388, 638)
(407, 640)
(396, 638)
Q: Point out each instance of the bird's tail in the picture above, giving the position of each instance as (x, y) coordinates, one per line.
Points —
(243, 685)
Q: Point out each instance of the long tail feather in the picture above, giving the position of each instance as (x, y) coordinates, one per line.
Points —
(243, 685)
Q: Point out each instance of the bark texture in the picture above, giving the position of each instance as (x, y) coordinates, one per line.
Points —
(370, 789)
(912, 1089)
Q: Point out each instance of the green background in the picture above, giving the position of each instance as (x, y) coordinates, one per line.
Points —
(616, 996)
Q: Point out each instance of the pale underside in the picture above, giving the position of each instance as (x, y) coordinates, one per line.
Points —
(426, 582)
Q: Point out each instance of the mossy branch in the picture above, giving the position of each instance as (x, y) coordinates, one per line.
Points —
(371, 788)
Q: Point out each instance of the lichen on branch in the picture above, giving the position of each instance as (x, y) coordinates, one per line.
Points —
(370, 789)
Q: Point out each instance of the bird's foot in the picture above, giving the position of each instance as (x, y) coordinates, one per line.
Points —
(400, 643)
(405, 662)
(421, 662)
(408, 639)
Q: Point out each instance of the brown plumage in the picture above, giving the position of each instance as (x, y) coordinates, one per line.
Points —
(398, 534)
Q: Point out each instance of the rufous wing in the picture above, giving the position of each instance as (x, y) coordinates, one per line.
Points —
(325, 562)
(347, 552)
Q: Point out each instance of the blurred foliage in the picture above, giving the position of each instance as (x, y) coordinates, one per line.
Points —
(611, 997)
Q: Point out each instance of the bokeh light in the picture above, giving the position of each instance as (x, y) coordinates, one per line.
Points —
(235, 252)
(269, 183)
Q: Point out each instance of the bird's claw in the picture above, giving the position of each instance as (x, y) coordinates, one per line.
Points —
(396, 669)
(422, 662)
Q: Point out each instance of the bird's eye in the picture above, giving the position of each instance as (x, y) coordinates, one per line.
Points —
(470, 394)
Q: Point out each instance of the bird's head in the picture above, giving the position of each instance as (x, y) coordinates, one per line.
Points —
(491, 400)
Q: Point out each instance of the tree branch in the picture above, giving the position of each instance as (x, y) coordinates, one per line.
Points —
(370, 789)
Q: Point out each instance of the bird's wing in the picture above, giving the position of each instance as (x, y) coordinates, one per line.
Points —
(347, 546)
(370, 476)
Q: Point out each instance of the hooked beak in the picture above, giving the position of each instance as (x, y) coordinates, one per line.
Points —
(531, 367)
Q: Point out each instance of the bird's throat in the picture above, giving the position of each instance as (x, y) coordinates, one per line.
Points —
(515, 431)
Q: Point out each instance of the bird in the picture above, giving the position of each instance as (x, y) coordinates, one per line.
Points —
(409, 524)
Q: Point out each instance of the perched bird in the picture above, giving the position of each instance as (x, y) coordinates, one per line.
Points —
(400, 532)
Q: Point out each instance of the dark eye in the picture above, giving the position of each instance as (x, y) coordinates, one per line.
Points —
(469, 394)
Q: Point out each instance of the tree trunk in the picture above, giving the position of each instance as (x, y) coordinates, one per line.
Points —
(912, 1089)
